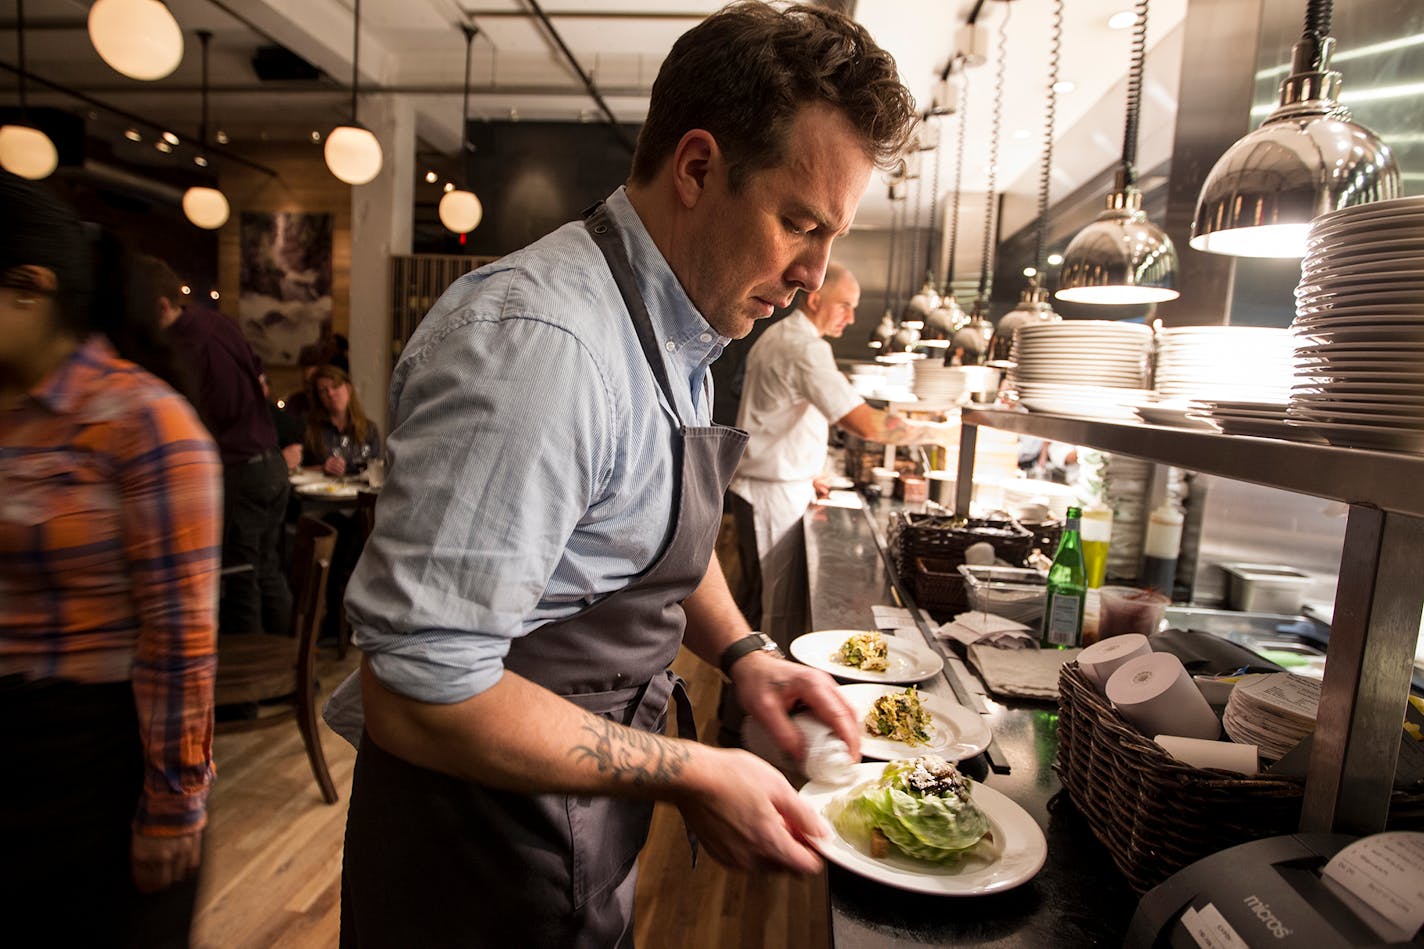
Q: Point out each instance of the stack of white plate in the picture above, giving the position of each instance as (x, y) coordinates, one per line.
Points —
(1235, 363)
(1125, 490)
(1093, 368)
(1262, 419)
(1359, 327)
(888, 381)
(937, 383)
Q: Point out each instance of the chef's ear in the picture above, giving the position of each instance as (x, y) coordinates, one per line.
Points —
(695, 163)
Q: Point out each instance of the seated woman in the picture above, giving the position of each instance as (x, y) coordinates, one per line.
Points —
(339, 437)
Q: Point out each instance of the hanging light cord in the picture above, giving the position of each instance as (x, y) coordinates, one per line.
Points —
(20, 37)
(931, 264)
(958, 179)
(991, 191)
(914, 257)
(1045, 174)
(890, 267)
(355, 55)
(204, 36)
(1134, 96)
(1318, 14)
(470, 32)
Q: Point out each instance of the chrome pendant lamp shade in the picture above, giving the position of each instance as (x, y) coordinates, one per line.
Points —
(205, 207)
(352, 151)
(460, 210)
(1308, 157)
(25, 150)
(1122, 257)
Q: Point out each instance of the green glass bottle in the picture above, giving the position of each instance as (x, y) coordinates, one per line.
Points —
(1067, 588)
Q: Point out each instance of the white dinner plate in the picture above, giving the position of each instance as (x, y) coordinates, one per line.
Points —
(956, 732)
(306, 476)
(839, 483)
(907, 660)
(1373, 263)
(1024, 848)
(328, 489)
(1366, 436)
(1079, 409)
(1172, 416)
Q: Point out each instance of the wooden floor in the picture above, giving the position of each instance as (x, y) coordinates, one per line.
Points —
(272, 871)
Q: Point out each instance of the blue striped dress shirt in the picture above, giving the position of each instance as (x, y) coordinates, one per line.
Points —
(531, 458)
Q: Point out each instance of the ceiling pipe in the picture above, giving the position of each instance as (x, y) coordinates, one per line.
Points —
(588, 82)
(131, 117)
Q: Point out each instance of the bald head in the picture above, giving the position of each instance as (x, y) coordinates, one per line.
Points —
(832, 308)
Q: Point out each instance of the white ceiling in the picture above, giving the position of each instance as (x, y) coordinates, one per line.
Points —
(417, 46)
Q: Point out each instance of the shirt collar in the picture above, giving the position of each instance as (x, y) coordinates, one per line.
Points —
(681, 330)
(62, 390)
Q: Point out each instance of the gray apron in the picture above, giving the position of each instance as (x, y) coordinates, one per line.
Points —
(432, 861)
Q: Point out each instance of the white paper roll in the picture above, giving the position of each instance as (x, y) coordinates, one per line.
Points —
(1100, 660)
(1158, 697)
(1226, 755)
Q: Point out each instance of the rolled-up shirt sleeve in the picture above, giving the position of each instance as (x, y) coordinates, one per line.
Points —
(501, 440)
(824, 385)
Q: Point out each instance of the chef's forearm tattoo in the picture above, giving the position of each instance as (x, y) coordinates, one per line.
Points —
(629, 755)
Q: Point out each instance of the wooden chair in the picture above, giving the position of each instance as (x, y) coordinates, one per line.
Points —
(266, 669)
(365, 517)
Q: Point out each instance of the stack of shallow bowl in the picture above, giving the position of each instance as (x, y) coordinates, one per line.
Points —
(1207, 375)
(1359, 328)
(939, 385)
(1090, 368)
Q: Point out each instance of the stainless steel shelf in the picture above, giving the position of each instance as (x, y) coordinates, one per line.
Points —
(1389, 481)
(1378, 600)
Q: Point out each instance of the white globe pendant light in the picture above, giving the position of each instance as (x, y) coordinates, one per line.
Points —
(352, 152)
(205, 207)
(24, 149)
(27, 152)
(138, 38)
(461, 211)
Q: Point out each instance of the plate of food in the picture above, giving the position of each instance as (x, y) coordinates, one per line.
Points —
(306, 476)
(901, 723)
(332, 490)
(866, 656)
(920, 825)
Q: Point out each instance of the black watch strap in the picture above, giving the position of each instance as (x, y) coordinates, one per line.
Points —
(747, 644)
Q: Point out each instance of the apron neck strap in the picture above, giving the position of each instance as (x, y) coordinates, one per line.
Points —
(604, 231)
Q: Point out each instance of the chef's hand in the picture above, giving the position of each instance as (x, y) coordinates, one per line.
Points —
(160, 862)
(822, 486)
(769, 688)
(748, 817)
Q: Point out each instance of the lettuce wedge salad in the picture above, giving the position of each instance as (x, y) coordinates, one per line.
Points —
(921, 806)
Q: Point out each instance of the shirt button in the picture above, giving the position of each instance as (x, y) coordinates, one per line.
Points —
(671, 346)
(706, 337)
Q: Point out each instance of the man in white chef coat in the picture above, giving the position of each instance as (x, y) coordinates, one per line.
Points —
(791, 395)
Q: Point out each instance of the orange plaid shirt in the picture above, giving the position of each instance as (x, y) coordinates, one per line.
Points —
(110, 544)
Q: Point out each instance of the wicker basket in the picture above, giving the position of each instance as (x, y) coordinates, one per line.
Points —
(938, 586)
(946, 538)
(1154, 813)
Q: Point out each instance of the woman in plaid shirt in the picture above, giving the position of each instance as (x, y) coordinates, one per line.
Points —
(110, 525)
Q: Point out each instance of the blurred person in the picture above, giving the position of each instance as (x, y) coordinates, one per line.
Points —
(339, 437)
(792, 393)
(230, 401)
(289, 431)
(109, 549)
(298, 403)
(543, 544)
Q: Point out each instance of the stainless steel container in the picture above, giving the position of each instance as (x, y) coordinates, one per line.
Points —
(1265, 587)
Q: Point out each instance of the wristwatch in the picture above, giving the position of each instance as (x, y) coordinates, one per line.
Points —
(747, 644)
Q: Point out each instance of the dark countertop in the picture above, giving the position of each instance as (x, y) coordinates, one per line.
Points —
(1077, 899)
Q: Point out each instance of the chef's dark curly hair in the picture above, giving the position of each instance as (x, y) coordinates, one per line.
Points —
(744, 73)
